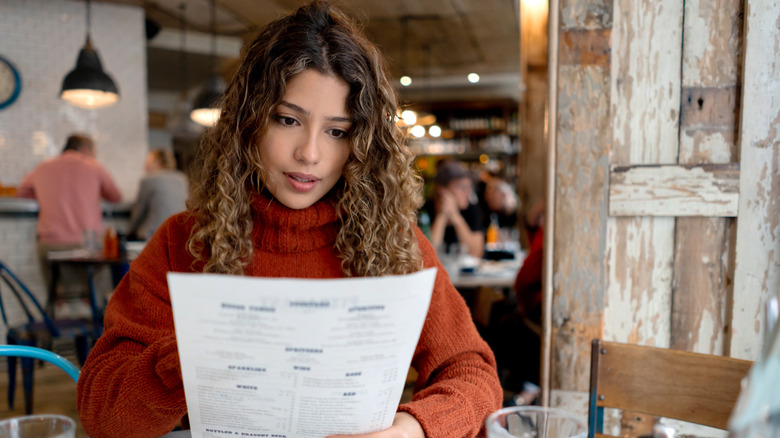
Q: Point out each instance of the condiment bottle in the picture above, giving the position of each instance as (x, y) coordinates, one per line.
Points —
(110, 244)
(491, 237)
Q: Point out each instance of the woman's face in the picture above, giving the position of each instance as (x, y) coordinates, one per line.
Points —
(494, 197)
(461, 188)
(151, 163)
(307, 143)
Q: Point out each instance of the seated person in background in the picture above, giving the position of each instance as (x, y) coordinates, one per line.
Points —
(162, 193)
(528, 283)
(514, 331)
(69, 189)
(500, 199)
(304, 175)
(454, 217)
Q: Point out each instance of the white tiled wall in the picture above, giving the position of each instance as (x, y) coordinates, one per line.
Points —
(42, 38)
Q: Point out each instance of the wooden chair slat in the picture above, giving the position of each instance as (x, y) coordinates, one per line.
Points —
(692, 387)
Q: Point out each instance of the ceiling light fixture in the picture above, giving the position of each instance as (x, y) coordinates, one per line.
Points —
(206, 105)
(87, 85)
(473, 78)
(405, 80)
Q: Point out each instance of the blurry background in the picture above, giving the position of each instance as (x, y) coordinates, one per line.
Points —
(437, 44)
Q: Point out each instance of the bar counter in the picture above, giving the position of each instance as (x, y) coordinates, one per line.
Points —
(18, 228)
(29, 207)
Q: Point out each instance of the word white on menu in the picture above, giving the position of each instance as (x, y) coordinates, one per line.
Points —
(289, 358)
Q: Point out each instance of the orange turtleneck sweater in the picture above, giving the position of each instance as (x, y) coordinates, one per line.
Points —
(131, 384)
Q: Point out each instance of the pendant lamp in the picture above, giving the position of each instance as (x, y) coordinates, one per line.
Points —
(180, 124)
(405, 80)
(87, 85)
(205, 108)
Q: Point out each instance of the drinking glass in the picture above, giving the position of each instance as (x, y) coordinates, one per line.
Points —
(90, 242)
(535, 422)
(449, 256)
(38, 426)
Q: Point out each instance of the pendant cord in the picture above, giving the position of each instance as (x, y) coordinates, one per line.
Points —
(89, 22)
(183, 44)
(214, 36)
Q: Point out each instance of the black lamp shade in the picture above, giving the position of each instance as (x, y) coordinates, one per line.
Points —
(87, 85)
(205, 107)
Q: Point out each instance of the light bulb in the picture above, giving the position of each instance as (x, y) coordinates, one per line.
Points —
(410, 117)
(205, 116)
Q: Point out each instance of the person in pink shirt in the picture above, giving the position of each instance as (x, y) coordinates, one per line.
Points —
(69, 189)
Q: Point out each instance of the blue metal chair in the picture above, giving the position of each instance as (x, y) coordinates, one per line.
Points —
(41, 354)
(34, 332)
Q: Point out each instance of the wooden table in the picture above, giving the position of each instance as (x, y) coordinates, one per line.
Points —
(90, 261)
(498, 274)
(491, 281)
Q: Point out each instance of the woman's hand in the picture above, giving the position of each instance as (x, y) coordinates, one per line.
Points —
(404, 426)
(448, 205)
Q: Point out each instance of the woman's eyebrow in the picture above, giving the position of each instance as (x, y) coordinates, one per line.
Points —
(293, 107)
(299, 109)
(339, 119)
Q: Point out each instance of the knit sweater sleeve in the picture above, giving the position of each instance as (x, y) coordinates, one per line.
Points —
(131, 385)
(457, 385)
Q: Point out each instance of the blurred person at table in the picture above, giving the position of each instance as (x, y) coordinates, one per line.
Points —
(515, 326)
(162, 193)
(454, 211)
(499, 201)
(305, 174)
(528, 282)
(69, 190)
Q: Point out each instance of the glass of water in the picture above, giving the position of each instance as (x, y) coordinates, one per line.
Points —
(535, 422)
(38, 426)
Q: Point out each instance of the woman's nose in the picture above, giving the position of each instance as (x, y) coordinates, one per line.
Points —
(308, 150)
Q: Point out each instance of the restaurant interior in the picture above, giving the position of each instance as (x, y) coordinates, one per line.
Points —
(643, 137)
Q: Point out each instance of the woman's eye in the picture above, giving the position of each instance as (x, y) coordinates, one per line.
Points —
(339, 133)
(286, 121)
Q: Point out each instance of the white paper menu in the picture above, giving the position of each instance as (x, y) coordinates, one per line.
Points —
(289, 358)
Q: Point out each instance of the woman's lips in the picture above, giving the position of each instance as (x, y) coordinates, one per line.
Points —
(301, 182)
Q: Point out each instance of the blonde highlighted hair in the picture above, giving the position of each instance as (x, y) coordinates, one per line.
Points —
(379, 193)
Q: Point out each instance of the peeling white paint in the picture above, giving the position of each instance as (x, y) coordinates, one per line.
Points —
(758, 237)
(639, 273)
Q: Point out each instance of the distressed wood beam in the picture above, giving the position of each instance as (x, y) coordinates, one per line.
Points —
(757, 270)
(674, 190)
(703, 255)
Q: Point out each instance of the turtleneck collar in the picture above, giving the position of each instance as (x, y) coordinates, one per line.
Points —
(278, 228)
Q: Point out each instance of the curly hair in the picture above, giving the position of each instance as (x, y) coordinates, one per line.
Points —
(379, 193)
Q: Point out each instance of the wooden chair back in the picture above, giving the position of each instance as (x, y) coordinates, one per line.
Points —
(693, 387)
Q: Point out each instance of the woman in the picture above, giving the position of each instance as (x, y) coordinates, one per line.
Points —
(161, 194)
(500, 201)
(454, 217)
(305, 175)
